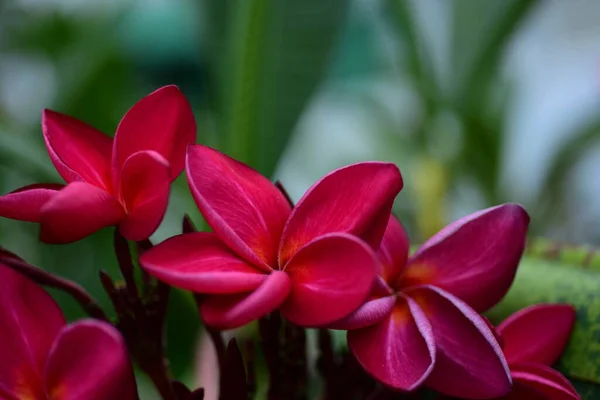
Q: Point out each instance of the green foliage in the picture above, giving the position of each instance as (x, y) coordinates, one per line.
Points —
(269, 57)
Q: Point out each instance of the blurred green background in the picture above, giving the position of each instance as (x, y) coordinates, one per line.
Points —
(477, 102)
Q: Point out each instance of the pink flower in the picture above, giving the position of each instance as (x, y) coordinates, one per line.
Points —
(123, 182)
(418, 327)
(534, 339)
(41, 357)
(310, 261)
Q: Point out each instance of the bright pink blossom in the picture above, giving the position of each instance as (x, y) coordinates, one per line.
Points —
(534, 339)
(421, 325)
(123, 182)
(43, 358)
(313, 262)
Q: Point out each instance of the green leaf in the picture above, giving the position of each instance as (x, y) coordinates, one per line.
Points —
(503, 18)
(550, 273)
(276, 53)
(555, 185)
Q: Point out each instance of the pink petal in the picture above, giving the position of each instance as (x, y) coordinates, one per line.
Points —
(232, 311)
(25, 204)
(331, 277)
(538, 333)
(145, 186)
(244, 208)
(78, 151)
(370, 313)
(469, 363)
(29, 322)
(393, 251)
(356, 199)
(77, 211)
(474, 258)
(89, 361)
(163, 122)
(398, 351)
(200, 262)
(545, 380)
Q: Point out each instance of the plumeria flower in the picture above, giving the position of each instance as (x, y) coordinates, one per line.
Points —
(314, 262)
(43, 358)
(122, 182)
(421, 325)
(534, 339)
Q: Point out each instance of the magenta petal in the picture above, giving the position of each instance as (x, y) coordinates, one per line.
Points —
(77, 211)
(469, 363)
(399, 351)
(331, 277)
(163, 122)
(474, 258)
(29, 323)
(78, 151)
(538, 333)
(370, 313)
(545, 380)
(233, 311)
(393, 251)
(89, 361)
(244, 208)
(25, 204)
(202, 263)
(145, 186)
(356, 199)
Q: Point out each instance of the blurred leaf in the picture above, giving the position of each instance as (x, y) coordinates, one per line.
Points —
(557, 274)
(555, 184)
(481, 34)
(49, 34)
(420, 63)
(505, 18)
(276, 53)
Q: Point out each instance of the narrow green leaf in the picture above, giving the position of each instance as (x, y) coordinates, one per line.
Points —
(277, 53)
(555, 184)
(485, 60)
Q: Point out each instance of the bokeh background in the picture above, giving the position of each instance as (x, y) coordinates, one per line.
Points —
(477, 102)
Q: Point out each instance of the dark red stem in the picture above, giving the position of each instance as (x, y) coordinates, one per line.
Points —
(41, 277)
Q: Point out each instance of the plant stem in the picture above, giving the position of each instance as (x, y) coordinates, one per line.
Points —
(158, 374)
(41, 277)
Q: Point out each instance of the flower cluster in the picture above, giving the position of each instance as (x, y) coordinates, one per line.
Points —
(44, 358)
(337, 259)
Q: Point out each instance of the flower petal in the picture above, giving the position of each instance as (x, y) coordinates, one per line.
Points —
(77, 211)
(331, 277)
(538, 333)
(232, 311)
(474, 258)
(244, 208)
(25, 204)
(89, 361)
(545, 380)
(78, 151)
(145, 186)
(469, 362)
(202, 263)
(370, 313)
(163, 122)
(393, 251)
(399, 351)
(29, 322)
(356, 199)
